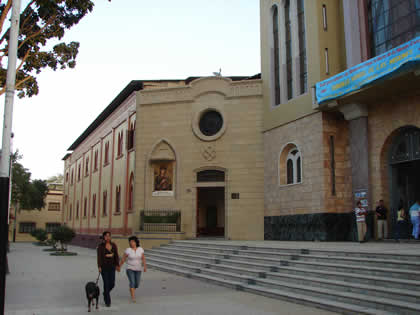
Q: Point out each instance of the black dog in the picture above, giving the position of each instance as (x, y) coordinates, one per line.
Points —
(92, 293)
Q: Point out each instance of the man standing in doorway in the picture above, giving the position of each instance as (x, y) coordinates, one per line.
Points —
(382, 224)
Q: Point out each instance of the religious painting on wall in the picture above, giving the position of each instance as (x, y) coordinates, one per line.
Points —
(163, 175)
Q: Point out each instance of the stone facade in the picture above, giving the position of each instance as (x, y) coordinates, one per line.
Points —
(169, 118)
(50, 214)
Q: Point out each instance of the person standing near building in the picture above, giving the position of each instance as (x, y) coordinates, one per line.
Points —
(401, 220)
(108, 262)
(382, 224)
(415, 218)
(361, 221)
(136, 263)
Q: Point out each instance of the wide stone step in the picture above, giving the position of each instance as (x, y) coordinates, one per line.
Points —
(194, 263)
(341, 286)
(385, 304)
(386, 282)
(324, 252)
(274, 293)
(386, 272)
(275, 257)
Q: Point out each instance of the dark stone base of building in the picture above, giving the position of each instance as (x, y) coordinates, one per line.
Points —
(86, 240)
(315, 227)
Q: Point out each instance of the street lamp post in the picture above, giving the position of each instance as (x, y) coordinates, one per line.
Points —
(5, 157)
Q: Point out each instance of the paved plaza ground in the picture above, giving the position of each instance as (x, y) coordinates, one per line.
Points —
(40, 284)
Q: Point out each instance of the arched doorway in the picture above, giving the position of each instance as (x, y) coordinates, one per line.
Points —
(210, 203)
(404, 168)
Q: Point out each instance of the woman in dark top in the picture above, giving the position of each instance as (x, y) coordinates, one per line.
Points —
(108, 262)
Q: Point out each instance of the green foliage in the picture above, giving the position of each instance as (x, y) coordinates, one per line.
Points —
(42, 23)
(40, 234)
(64, 235)
(26, 194)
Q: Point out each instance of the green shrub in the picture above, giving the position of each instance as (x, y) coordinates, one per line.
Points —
(64, 235)
(40, 234)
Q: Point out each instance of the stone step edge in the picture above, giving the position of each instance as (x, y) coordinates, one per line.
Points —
(287, 262)
(311, 279)
(297, 256)
(248, 247)
(292, 297)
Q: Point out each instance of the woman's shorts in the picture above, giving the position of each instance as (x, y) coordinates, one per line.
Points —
(134, 278)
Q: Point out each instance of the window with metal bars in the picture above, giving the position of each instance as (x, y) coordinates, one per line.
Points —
(392, 23)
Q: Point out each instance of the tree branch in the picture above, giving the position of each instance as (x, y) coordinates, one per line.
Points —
(23, 60)
(50, 20)
(5, 13)
(21, 82)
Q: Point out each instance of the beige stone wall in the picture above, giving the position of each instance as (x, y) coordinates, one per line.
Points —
(168, 116)
(384, 120)
(334, 125)
(305, 197)
(39, 217)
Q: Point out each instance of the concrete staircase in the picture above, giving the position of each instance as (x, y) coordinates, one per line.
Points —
(344, 282)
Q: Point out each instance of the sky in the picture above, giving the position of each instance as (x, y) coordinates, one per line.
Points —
(126, 40)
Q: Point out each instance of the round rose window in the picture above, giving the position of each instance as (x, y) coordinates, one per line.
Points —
(211, 122)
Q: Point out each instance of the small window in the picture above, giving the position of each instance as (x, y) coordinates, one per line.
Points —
(55, 206)
(70, 213)
(130, 137)
(105, 200)
(131, 192)
(27, 227)
(118, 199)
(87, 167)
(77, 210)
(290, 166)
(276, 57)
(94, 205)
(95, 161)
(67, 177)
(72, 173)
(85, 208)
(120, 144)
(79, 173)
(52, 227)
(106, 158)
(211, 122)
(211, 176)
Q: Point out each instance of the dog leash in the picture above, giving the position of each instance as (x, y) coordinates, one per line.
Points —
(97, 279)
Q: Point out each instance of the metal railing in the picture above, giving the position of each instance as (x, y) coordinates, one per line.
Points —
(160, 220)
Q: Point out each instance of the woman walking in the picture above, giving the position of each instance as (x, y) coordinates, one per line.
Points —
(107, 264)
(136, 262)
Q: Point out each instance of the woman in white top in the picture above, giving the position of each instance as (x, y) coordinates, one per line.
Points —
(136, 262)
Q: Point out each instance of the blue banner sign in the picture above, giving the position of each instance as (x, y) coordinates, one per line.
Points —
(371, 70)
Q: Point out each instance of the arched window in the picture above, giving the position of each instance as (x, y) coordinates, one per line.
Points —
(94, 205)
(120, 144)
(130, 138)
(106, 153)
(79, 170)
(72, 173)
(105, 199)
(95, 161)
(67, 177)
(131, 192)
(118, 199)
(87, 167)
(290, 165)
(85, 208)
(276, 55)
(289, 61)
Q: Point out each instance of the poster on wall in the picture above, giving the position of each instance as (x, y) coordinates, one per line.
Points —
(361, 195)
(163, 175)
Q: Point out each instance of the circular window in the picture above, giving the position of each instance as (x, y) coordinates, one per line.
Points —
(211, 122)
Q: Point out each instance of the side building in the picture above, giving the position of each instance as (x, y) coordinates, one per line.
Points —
(23, 222)
(171, 159)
